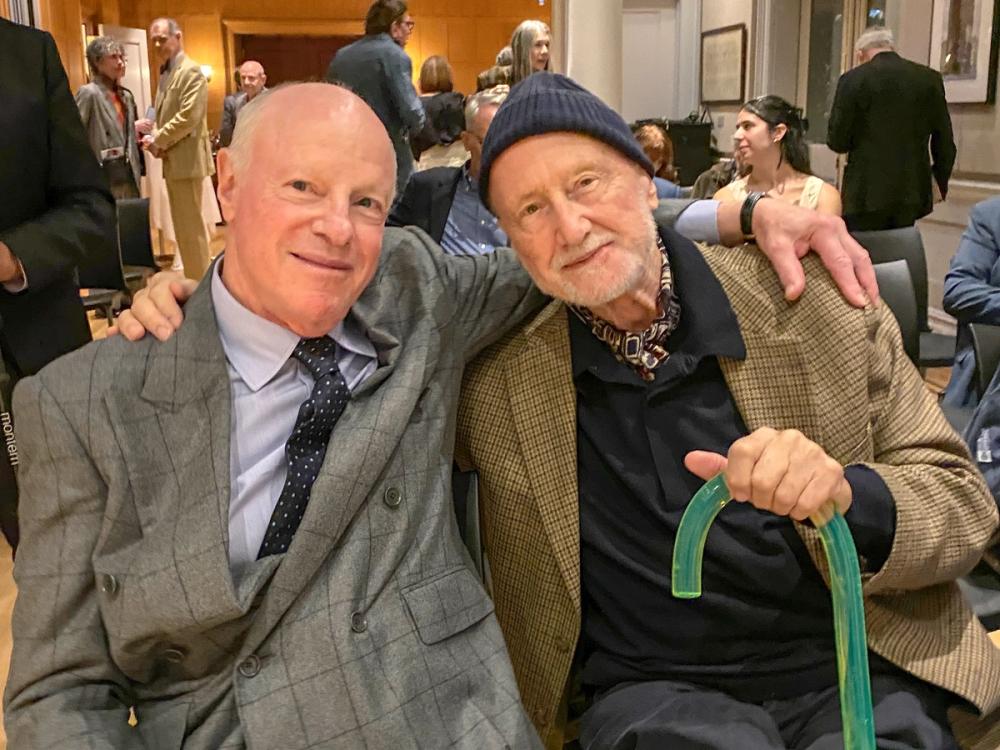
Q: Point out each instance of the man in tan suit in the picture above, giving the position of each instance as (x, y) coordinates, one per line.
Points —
(657, 367)
(180, 138)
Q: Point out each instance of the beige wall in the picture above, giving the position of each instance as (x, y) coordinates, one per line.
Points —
(716, 14)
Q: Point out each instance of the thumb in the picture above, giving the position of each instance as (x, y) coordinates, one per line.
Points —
(705, 464)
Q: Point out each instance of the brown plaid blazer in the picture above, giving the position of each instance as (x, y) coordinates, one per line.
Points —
(836, 373)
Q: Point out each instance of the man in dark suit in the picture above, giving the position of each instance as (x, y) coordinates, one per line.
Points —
(251, 78)
(56, 211)
(885, 112)
(444, 201)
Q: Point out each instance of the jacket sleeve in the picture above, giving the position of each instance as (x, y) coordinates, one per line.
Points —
(840, 132)
(79, 220)
(968, 294)
(194, 103)
(399, 70)
(486, 295)
(63, 690)
(228, 121)
(87, 104)
(406, 212)
(945, 515)
(943, 150)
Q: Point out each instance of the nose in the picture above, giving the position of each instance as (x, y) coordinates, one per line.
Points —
(572, 227)
(335, 226)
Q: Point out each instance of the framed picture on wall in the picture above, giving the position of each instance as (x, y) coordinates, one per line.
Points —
(723, 64)
(964, 47)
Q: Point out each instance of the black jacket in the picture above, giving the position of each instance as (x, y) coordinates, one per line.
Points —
(427, 201)
(55, 206)
(884, 115)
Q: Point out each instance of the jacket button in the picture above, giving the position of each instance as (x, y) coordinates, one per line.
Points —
(541, 716)
(250, 667)
(393, 497)
(562, 645)
(174, 654)
(109, 584)
(359, 623)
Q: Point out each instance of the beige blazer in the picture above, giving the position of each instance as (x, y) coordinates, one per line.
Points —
(836, 373)
(181, 123)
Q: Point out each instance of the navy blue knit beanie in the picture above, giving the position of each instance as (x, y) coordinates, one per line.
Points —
(549, 103)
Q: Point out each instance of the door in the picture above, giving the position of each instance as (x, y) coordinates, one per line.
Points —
(137, 74)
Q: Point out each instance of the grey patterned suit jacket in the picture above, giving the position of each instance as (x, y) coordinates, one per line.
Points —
(371, 631)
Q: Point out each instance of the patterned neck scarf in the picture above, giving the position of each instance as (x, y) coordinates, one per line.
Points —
(646, 350)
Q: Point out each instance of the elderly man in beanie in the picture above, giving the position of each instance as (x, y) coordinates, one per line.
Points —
(658, 366)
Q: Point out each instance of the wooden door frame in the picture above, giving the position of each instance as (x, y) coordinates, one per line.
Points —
(271, 27)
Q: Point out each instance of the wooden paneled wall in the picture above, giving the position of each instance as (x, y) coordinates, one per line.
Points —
(62, 19)
(468, 32)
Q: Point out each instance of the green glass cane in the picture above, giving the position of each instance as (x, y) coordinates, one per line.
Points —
(845, 587)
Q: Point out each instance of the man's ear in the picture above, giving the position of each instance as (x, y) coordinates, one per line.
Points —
(228, 189)
(651, 198)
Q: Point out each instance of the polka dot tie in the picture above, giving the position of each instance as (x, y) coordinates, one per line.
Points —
(306, 447)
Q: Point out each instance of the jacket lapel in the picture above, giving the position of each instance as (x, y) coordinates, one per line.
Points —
(175, 434)
(441, 199)
(543, 404)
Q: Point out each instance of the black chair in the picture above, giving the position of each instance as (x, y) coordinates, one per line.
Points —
(465, 493)
(896, 289)
(102, 282)
(986, 345)
(936, 350)
(134, 241)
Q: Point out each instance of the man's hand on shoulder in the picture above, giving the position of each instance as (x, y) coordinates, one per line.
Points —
(157, 308)
(786, 233)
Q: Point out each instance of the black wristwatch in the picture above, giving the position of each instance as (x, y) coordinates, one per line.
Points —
(746, 213)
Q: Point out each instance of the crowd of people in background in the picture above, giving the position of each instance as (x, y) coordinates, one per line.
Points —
(231, 581)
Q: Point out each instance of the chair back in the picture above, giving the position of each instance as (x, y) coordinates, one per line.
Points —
(887, 245)
(896, 290)
(986, 346)
(102, 267)
(134, 240)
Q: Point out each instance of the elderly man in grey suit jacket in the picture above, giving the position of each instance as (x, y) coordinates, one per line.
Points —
(252, 79)
(245, 533)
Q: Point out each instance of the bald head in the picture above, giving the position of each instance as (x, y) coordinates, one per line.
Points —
(305, 188)
(339, 117)
(252, 78)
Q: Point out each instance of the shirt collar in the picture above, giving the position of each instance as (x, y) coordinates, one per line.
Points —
(258, 348)
(708, 325)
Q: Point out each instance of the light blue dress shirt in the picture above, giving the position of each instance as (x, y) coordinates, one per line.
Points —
(267, 387)
(699, 222)
(470, 229)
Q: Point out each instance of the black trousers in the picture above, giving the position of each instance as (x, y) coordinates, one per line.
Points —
(904, 216)
(909, 715)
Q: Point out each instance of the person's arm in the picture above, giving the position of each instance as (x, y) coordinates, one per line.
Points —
(944, 513)
(943, 150)
(63, 690)
(968, 294)
(399, 71)
(228, 121)
(86, 103)
(784, 233)
(79, 219)
(829, 201)
(194, 104)
(840, 132)
(488, 295)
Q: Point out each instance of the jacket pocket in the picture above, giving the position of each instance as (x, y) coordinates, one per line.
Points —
(446, 605)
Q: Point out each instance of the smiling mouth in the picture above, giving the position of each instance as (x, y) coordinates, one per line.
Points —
(325, 264)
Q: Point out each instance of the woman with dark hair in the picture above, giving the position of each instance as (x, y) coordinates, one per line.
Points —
(770, 140)
(439, 143)
(529, 46)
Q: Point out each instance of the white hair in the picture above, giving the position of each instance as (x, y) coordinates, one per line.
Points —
(246, 126)
(491, 97)
(173, 28)
(878, 37)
